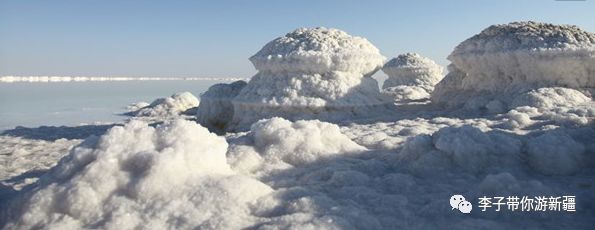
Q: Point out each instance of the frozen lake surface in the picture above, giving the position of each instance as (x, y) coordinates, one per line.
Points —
(72, 103)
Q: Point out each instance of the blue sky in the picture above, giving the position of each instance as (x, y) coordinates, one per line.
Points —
(215, 38)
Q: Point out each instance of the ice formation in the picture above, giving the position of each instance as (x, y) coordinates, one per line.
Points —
(168, 106)
(311, 73)
(410, 77)
(505, 60)
(215, 109)
(170, 177)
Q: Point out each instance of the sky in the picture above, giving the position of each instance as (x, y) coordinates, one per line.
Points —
(216, 38)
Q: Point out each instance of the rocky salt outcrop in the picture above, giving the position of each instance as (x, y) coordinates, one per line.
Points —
(311, 73)
(505, 61)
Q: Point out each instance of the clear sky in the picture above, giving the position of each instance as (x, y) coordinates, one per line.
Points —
(215, 38)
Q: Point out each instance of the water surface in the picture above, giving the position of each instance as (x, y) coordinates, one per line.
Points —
(74, 103)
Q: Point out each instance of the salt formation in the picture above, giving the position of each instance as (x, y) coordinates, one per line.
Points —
(134, 107)
(311, 73)
(396, 171)
(174, 176)
(19, 155)
(550, 98)
(411, 77)
(300, 142)
(215, 109)
(506, 60)
(278, 144)
(169, 106)
(556, 153)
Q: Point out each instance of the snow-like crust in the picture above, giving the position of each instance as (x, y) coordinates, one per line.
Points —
(364, 175)
(318, 50)
(170, 177)
(531, 36)
(333, 89)
(16, 157)
(393, 171)
(555, 153)
(300, 142)
(550, 97)
(412, 69)
(406, 93)
(215, 109)
(505, 60)
(330, 97)
(169, 106)
(311, 73)
(410, 77)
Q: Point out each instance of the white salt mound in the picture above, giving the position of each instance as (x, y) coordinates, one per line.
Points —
(318, 50)
(302, 141)
(504, 60)
(170, 177)
(310, 73)
(406, 93)
(550, 97)
(215, 109)
(136, 106)
(277, 144)
(411, 69)
(414, 75)
(169, 106)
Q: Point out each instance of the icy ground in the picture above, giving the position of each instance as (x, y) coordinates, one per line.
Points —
(393, 171)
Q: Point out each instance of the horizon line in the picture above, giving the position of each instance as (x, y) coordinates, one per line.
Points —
(49, 78)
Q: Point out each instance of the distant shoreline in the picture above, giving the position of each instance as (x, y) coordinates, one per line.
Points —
(49, 79)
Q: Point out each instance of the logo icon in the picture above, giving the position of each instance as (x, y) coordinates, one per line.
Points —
(458, 202)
